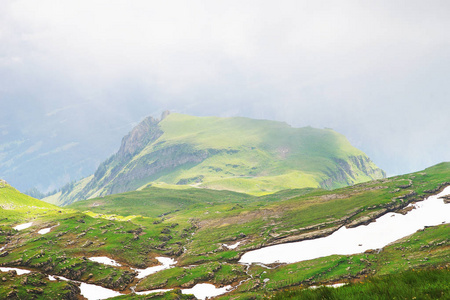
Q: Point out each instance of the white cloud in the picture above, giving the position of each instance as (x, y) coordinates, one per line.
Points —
(177, 45)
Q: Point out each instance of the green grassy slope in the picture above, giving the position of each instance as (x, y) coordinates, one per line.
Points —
(238, 154)
(17, 206)
(224, 216)
(411, 284)
(427, 249)
(190, 225)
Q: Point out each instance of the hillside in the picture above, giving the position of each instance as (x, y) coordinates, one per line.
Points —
(237, 154)
(12, 202)
(196, 226)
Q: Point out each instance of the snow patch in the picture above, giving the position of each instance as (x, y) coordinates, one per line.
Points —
(105, 260)
(166, 262)
(206, 290)
(19, 271)
(152, 292)
(23, 226)
(346, 241)
(234, 246)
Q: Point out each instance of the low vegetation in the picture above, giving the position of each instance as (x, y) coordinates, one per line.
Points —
(197, 226)
(427, 284)
(35, 286)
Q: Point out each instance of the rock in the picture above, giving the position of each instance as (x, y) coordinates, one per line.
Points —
(4, 253)
(35, 291)
(12, 295)
(73, 291)
(165, 238)
(446, 199)
(81, 235)
(87, 244)
(16, 262)
(188, 284)
(165, 230)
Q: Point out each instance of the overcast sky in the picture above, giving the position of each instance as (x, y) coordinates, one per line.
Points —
(376, 71)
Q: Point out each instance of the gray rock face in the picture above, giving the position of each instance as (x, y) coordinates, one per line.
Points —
(346, 171)
(139, 137)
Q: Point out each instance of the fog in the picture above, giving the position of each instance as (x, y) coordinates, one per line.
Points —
(75, 76)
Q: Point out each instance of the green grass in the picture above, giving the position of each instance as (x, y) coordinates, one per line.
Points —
(17, 206)
(219, 217)
(190, 225)
(214, 272)
(425, 249)
(35, 286)
(412, 284)
(152, 202)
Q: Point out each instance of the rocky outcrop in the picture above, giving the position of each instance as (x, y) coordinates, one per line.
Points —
(346, 171)
(145, 132)
(71, 291)
(3, 183)
(156, 162)
(446, 199)
(304, 236)
(364, 164)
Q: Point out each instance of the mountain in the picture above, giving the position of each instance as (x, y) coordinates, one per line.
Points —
(238, 154)
(46, 150)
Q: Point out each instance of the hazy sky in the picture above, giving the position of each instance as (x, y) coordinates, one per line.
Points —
(376, 71)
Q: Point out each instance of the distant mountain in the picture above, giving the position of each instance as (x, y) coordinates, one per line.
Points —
(238, 154)
(46, 147)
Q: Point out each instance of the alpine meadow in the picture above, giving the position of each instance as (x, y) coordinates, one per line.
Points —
(224, 150)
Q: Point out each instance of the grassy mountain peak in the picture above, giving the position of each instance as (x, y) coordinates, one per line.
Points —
(236, 153)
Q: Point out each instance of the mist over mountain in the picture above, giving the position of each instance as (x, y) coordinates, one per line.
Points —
(375, 72)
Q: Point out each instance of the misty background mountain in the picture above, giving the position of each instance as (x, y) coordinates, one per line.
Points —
(238, 154)
(75, 77)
